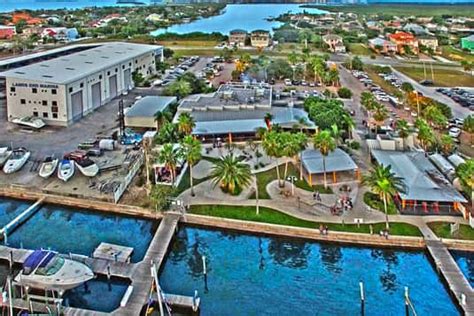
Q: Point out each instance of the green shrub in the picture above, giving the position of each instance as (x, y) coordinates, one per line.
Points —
(354, 145)
(344, 93)
(372, 200)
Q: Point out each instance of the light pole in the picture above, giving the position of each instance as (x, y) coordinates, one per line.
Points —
(417, 103)
(256, 196)
(292, 179)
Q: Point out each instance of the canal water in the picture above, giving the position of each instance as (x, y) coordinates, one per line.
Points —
(11, 5)
(465, 261)
(252, 275)
(79, 231)
(10, 209)
(247, 17)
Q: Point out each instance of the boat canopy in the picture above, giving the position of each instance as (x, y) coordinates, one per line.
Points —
(37, 258)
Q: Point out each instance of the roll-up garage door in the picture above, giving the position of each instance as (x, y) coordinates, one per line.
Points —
(113, 86)
(96, 95)
(127, 81)
(76, 105)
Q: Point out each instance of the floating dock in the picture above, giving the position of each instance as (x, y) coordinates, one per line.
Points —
(113, 252)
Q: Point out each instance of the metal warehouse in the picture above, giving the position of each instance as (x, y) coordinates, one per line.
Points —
(62, 90)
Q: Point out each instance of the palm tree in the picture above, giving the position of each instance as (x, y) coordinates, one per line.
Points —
(169, 156)
(191, 151)
(159, 118)
(333, 77)
(383, 182)
(468, 126)
(185, 123)
(426, 135)
(268, 120)
(336, 133)
(293, 59)
(180, 88)
(273, 148)
(447, 144)
(325, 143)
(434, 116)
(403, 131)
(380, 115)
(465, 173)
(319, 69)
(231, 174)
(292, 145)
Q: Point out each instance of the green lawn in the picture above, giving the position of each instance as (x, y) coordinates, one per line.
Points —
(442, 229)
(359, 49)
(372, 72)
(442, 77)
(186, 183)
(264, 178)
(267, 215)
(402, 9)
(374, 202)
(452, 53)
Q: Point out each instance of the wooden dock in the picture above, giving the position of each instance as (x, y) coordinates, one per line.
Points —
(450, 271)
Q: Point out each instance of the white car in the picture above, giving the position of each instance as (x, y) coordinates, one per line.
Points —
(454, 132)
(287, 82)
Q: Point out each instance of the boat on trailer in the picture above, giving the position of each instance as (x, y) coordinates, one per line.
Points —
(47, 270)
(29, 121)
(5, 153)
(48, 167)
(87, 167)
(17, 160)
(66, 169)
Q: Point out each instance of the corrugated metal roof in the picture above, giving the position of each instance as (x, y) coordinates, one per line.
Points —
(150, 105)
(337, 160)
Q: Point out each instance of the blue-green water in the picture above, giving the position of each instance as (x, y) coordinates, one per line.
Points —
(79, 231)
(465, 261)
(248, 17)
(11, 5)
(252, 275)
(10, 209)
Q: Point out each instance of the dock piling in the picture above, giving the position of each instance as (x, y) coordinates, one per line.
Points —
(362, 298)
(407, 302)
(10, 261)
(108, 277)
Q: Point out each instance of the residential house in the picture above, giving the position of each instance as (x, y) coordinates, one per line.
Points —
(415, 29)
(335, 43)
(260, 38)
(22, 16)
(237, 37)
(154, 18)
(468, 43)
(404, 40)
(430, 42)
(60, 33)
(7, 32)
(382, 46)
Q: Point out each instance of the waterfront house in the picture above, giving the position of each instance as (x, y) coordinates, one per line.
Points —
(404, 41)
(237, 38)
(260, 39)
(335, 43)
(468, 43)
(7, 32)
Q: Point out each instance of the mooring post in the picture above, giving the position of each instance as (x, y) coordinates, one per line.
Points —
(5, 237)
(108, 277)
(204, 270)
(362, 299)
(407, 302)
(11, 261)
(195, 300)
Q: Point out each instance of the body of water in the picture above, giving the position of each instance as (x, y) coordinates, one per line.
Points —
(11, 5)
(252, 275)
(79, 231)
(248, 17)
(10, 209)
(465, 261)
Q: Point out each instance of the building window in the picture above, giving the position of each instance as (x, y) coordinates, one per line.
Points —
(82, 85)
(12, 89)
(123, 66)
(100, 77)
(54, 103)
(55, 115)
(45, 114)
(54, 91)
(54, 109)
(70, 90)
(34, 90)
(108, 73)
(23, 101)
(44, 102)
(130, 64)
(116, 69)
(35, 113)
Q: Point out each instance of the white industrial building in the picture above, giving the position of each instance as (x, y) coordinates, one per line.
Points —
(63, 89)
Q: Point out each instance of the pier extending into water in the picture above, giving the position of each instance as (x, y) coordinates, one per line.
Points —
(138, 273)
(20, 219)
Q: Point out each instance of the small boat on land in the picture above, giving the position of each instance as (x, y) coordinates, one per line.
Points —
(48, 167)
(29, 121)
(17, 160)
(87, 167)
(65, 170)
(5, 153)
(46, 270)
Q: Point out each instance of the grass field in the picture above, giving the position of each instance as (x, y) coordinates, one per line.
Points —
(442, 229)
(403, 9)
(443, 77)
(373, 74)
(359, 49)
(267, 215)
(452, 53)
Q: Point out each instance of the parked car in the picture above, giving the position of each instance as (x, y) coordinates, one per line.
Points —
(454, 132)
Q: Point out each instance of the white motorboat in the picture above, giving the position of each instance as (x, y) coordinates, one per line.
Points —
(87, 167)
(45, 269)
(48, 167)
(66, 169)
(5, 153)
(29, 121)
(16, 160)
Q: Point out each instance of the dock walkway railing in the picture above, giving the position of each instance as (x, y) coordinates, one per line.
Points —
(20, 219)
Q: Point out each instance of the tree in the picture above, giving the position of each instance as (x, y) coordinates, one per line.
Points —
(279, 69)
(333, 77)
(319, 68)
(446, 143)
(465, 173)
(344, 93)
(191, 152)
(273, 148)
(179, 88)
(186, 123)
(434, 116)
(407, 87)
(159, 118)
(168, 133)
(383, 182)
(169, 156)
(268, 120)
(403, 131)
(137, 78)
(292, 144)
(293, 59)
(160, 194)
(231, 174)
(380, 115)
(468, 126)
(426, 135)
(325, 143)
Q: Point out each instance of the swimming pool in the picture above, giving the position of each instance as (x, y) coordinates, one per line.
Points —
(80, 231)
(465, 261)
(11, 208)
(256, 275)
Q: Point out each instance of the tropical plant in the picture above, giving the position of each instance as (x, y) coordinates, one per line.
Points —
(186, 123)
(468, 126)
(168, 133)
(179, 88)
(426, 135)
(465, 173)
(231, 174)
(344, 93)
(169, 156)
(383, 182)
(333, 77)
(380, 115)
(319, 69)
(403, 131)
(325, 143)
(268, 120)
(434, 116)
(446, 143)
(191, 151)
(274, 148)
(159, 118)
